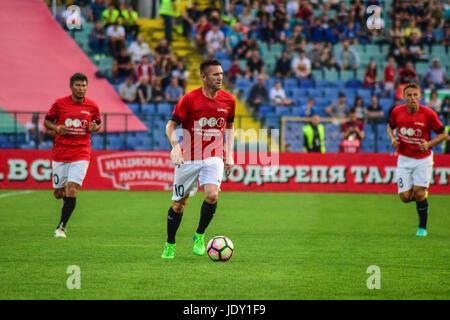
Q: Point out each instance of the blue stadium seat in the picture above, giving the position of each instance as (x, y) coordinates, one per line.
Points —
(282, 111)
(322, 83)
(290, 84)
(164, 108)
(355, 84)
(265, 110)
(148, 108)
(272, 121)
(306, 83)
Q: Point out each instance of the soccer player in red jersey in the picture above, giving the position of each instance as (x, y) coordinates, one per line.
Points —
(204, 114)
(73, 118)
(413, 123)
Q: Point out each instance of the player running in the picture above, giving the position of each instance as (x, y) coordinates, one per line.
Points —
(204, 113)
(73, 118)
(413, 123)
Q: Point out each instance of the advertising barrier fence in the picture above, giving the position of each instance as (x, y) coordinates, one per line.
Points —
(294, 172)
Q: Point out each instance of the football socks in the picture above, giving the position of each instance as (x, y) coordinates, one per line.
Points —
(173, 222)
(67, 209)
(422, 210)
(206, 215)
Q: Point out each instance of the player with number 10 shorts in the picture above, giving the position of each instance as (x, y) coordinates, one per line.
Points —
(205, 114)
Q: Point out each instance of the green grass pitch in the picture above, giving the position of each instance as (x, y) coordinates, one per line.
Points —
(287, 246)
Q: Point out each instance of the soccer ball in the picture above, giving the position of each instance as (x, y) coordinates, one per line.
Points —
(220, 248)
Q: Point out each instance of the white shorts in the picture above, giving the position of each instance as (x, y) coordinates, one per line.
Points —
(64, 172)
(187, 176)
(413, 172)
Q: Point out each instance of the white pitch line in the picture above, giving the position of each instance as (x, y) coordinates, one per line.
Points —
(4, 195)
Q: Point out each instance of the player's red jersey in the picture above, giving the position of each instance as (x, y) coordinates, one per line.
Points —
(203, 121)
(75, 145)
(412, 129)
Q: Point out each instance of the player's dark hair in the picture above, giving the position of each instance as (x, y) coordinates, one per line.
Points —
(411, 85)
(209, 62)
(78, 77)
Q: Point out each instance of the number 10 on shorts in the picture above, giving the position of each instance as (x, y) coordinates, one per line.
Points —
(179, 190)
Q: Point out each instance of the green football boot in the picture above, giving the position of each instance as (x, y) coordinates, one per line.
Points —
(421, 232)
(199, 244)
(169, 251)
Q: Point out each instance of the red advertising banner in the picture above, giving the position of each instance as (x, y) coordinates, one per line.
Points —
(293, 172)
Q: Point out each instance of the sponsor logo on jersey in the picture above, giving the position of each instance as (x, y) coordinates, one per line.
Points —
(411, 132)
(420, 124)
(211, 122)
(222, 110)
(86, 112)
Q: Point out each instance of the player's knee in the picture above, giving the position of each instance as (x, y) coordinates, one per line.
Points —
(178, 207)
(58, 193)
(211, 197)
(419, 194)
(405, 197)
(72, 190)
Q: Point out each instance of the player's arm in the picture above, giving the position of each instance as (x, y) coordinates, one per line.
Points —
(50, 125)
(391, 133)
(95, 126)
(441, 136)
(176, 154)
(229, 147)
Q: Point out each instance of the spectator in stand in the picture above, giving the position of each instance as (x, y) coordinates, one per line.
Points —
(433, 101)
(202, 28)
(211, 9)
(396, 31)
(283, 66)
(305, 11)
(157, 91)
(254, 32)
(144, 91)
(310, 109)
(389, 75)
(110, 15)
(163, 52)
(138, 49)
(173, 92)
(398, 51)
(407, 74)
(428, 37)
(374, 111)
(122, 66)
(370, 76)
(34, 132)
(435, 76)
(412, 29)
(446, 37)
(361, 112)
(116, 38)
(351, 32)
(285, 34)
(167, 10)
(278, 95)
(301, 65)
(331, 32)
(315, 31)
(445, 110)
(255, 66)
(314, 55)
(98, 41)
(181, 73)
(414, 49)
(314, 136)
(258, 95)
(234, 72)
(339, 108)
(347, 58)
(190, 18)
(268, 33)
(327, 60)
(234, 38)
(128, 90)
(215, 40)
(95, 10)
(144, 68)
(297, 41)
(352, 134)
(129, 19)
